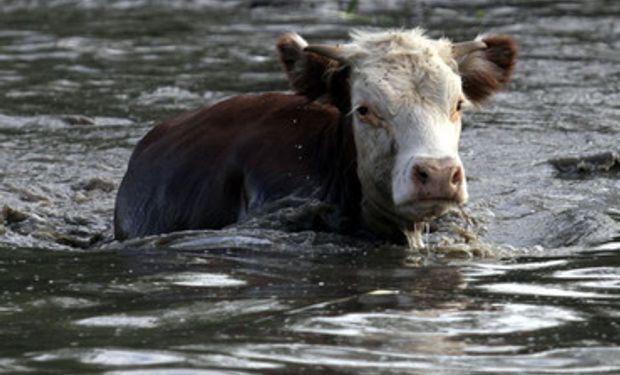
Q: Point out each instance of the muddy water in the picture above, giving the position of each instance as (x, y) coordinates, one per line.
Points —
(81, 82)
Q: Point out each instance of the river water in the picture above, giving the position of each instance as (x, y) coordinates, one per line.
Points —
(530, 284)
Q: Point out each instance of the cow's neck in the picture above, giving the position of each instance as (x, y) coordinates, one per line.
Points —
(360, 207)
(341, 186)
(381, 219)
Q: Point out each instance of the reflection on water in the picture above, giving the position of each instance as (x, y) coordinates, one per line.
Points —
(82, 81)
(243, 308)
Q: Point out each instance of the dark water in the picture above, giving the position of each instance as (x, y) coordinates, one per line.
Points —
(538, 292)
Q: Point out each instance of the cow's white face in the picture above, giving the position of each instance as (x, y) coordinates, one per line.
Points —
(406, 98)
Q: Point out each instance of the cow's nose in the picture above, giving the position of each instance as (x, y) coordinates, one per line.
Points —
(438, 179)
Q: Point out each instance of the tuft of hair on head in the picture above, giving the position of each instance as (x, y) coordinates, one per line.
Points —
(486, 71)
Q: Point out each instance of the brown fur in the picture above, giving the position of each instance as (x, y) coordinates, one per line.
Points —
(315, 76)
(210, 167)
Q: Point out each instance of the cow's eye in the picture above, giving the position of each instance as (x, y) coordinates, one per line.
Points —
(368, 115)
(362, 110)
(459, 105)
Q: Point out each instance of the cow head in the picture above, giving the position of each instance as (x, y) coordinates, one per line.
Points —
(405, 93)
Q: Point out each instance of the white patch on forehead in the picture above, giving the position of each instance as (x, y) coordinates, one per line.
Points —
(403, 67)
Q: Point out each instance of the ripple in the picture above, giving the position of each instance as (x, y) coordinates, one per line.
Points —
(204, 280)
(64, 303)
(604, 278)
(169, 96)
(176, 371)
(9, 310)
(609, 246)
(123, 5)
(41, 56)
(495, 319)
(541, 290)
(188, 315)
(112, 357)
(59, 121)
(226, 361)
(219, 241)
(219, 311)
(118, 321)
(477, 271)
(369, 361)
(11, 366)
(596, 273)
(603, 285)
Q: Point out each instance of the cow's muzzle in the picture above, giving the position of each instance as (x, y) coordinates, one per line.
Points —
(438, 180)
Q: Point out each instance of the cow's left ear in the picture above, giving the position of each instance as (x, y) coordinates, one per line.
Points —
(313, 74)
(488, 70)
(305, 72)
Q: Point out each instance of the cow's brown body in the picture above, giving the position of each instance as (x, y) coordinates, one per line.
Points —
(211, 167)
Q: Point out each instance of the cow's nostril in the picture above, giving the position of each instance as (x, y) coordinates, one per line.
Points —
(420, 175)
(457, 176)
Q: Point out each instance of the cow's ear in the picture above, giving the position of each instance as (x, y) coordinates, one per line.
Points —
(488, 70)
(305, 71)
(311, 74)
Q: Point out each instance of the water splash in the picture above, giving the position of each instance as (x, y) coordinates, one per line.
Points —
(456, 235)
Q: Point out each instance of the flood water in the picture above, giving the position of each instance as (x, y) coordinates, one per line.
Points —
(530, 284)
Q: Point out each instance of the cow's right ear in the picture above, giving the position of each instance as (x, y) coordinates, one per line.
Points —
(313, 75)
(488, 70)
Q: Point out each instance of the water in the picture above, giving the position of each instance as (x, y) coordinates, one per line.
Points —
(535, 289)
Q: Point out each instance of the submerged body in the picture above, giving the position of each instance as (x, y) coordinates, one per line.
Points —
(372, 128)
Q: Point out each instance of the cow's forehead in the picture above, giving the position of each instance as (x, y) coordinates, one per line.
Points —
(403, 66)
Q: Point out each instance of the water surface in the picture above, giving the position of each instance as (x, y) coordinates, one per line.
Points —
(82, 81)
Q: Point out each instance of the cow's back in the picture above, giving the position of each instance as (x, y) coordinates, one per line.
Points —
(210, 167)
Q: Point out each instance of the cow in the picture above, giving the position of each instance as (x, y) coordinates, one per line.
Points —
(371, 127)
